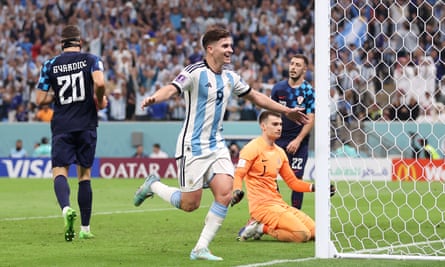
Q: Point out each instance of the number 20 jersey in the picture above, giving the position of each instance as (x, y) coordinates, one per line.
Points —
(70, 76)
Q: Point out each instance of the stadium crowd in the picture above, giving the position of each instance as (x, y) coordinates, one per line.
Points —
(144, 44)
(389, 48)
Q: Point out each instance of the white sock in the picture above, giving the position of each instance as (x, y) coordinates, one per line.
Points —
(163, 191)
(85, 228)
(64, 210)
(212, 224)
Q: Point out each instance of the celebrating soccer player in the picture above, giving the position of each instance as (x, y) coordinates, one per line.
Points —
(203, 157)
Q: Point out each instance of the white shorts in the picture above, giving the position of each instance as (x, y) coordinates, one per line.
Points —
(196, 172)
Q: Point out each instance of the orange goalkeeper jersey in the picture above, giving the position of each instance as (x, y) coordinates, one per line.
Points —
(259, 165)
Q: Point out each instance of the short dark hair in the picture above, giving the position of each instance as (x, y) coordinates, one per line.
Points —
(266, 113)
(157, 145)
(213, 34)
(70, 36)
(70, 31)
(301, 56)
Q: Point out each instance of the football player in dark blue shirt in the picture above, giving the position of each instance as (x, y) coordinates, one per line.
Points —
(73, 82)
(296, 92)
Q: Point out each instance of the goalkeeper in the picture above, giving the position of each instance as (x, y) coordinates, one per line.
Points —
(261, 160)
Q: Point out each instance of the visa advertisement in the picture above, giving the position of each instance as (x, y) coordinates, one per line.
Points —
(102, 168)
(341, 169)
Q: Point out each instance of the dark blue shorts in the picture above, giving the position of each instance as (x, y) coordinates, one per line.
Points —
(298, 160)
(74, 148)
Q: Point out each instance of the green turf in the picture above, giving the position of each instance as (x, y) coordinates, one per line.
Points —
(155, 234)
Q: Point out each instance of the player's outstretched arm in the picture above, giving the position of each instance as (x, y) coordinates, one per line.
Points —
(263, 101)
(161, 95)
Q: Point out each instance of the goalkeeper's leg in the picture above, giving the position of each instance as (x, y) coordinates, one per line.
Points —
(292, 225)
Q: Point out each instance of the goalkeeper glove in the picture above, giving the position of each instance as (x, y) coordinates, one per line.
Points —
(331, 188)
(237, 196)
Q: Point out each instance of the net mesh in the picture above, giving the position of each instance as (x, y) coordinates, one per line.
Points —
(387, 136)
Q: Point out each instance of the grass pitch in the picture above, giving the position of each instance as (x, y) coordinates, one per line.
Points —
(154, 234)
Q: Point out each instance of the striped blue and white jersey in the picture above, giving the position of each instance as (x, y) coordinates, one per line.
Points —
(206, 95)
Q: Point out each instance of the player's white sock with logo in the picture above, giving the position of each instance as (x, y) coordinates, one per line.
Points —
(213, 222)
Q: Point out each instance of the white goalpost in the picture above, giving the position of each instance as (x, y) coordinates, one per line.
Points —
(380, 70)
(323, 247)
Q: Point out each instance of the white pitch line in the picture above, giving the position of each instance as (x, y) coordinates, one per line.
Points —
(274, 262)
(94, 214)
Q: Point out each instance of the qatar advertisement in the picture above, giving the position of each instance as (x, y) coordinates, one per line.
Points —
(102, 168)
(340, 169)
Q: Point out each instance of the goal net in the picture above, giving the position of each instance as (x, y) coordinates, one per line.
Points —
(386, 128)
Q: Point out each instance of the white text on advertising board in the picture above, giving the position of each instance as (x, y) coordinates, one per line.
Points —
(136, 170)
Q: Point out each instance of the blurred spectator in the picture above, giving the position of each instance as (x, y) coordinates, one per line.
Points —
(146, 35)
(429, 152)
(18, 151)
(197, 54)
(157, 152)
(368, 75)
(177, 108)
(139, 113)
(32, 111)
(233, 110)
(374, 112)
(427, 105)
(427, 75)
(16, 101)
(43, 150)
(131, 89)
(21, 114)
(140, 152)
(158, 111)
(234, 152)
(333, 102)
(44, 114)
(440, 93)
(118, 105)
(344, 106)
(5, 100)
(247, 111)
